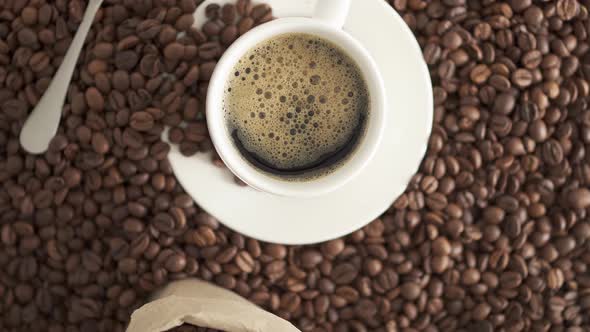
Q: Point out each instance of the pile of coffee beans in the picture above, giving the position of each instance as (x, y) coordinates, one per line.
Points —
(491, 234)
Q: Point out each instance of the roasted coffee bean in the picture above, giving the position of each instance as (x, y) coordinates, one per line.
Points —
(142, 121)
(39, 62)
(344, 273)
(103, 50)
(552, 152)
(229, 34)
(127, 43)
(261, 12)
(100, 143)
(126, 60)
(132, 138)
(567, 9)
(510, 280)
(174, 51)
(522, 78)
(150, 65)
(206, 70)
(27, 37)
(489, 235)
(212, 11)
(229, 13)
(532, 59)
(209, 50)
(94, 99)
(480, 73)
(245, 24)
(212, 28)
(245, 261)
(244, 7)
(29, 15)
(167, 35)
(175, 263)
(410, 290)
(184, 22)
(579, 198)
(504, 103)
(86, 308)
(192, 76)
(148, 29)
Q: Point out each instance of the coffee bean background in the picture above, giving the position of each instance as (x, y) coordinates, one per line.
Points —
(492, 233)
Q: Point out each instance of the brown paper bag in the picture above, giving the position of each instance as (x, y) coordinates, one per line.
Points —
(201, 304)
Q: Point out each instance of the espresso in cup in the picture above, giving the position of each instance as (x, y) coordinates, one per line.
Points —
(296, 106)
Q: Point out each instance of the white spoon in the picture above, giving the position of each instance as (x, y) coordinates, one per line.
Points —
(42, 123)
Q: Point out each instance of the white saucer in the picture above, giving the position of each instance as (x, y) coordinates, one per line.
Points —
(302, 221)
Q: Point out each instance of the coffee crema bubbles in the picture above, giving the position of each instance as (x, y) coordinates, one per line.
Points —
(296, 106)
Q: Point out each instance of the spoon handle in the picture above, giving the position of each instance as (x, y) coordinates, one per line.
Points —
(42, 123)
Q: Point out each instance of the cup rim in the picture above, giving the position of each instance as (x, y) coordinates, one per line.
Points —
(256, 178)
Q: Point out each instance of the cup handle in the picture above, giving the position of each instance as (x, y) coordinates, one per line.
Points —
(333, 12)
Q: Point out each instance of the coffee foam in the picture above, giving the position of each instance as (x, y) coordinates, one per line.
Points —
(296, 102)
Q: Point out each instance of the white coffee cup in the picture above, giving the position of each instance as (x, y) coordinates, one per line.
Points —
(327, 23)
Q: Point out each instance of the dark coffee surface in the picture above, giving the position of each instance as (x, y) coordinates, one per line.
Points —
(492, 233)
(296, 104)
